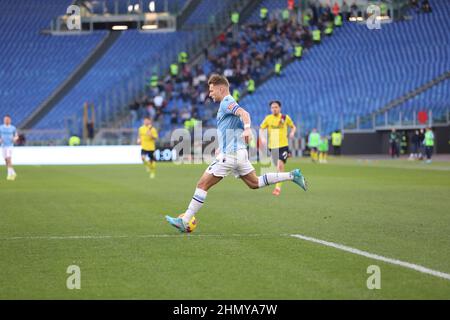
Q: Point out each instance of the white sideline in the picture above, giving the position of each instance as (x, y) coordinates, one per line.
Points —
(366, 254)
(99, 237)
(408, 265)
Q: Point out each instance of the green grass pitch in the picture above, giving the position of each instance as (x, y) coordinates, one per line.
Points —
(109, 220)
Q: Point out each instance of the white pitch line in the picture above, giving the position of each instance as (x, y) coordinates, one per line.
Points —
(408, 265)
(242, 235)
(99, 237)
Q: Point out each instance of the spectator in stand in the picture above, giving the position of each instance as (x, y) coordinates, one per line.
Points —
(426, 6)
(158, 101)
(354, 10)
(240, 58)
(151, 112)
(414, 4)
(174, 117)
(134, 108)
(345, 9)
(336, 9)
(185, 114)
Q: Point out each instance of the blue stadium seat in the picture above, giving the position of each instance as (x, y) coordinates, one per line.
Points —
(357, 71)
(206, 11)
(33, 65)
(130, 54)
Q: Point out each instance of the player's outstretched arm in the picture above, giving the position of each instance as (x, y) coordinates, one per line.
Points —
(244, 115)
(292, 133)
(155, 135)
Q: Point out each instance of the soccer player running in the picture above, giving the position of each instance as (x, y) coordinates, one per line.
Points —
(277, 126)
(147, 135)
(234, 133)
(8, 136)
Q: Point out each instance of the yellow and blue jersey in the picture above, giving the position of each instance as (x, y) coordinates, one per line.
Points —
(277, 127)
(148, 138)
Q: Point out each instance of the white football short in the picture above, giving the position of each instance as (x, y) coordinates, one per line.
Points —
(237, 163)
(7, 152)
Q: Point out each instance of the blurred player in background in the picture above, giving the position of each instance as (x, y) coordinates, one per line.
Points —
(429, 144)
(313, 144)
(277, 126)
(323, 149)
(8, 136)
(234, 133)
(147, 135)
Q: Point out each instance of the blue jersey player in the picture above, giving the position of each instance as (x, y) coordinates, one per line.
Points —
(234, 133)
(8, 135)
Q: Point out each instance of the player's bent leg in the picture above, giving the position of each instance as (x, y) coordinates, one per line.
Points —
(208, 180)
(11, 173)
(145, 162)
(204, 184)
(280, 168)
(255, 182)
(152, 168)
(251, 180)
(7, 168)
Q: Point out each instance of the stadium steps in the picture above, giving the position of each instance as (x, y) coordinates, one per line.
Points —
(187, 11)
(400, 102)
(397, 103)
(71, 81)
(413, 93)
(245, 13)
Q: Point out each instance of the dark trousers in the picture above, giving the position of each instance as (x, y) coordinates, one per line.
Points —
(337, 150)
(429, 152)
(395, 150)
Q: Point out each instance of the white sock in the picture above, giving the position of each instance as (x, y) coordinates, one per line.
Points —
(272, 178)
(195, 205)
(10, 171)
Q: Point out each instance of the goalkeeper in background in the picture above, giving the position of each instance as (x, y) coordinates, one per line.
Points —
(147, 135)
(277, 126)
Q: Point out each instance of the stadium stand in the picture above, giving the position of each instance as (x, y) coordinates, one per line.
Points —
(130, 54)
(249, 54)
(33, 64)
(341, 76)
(207, 11)
(435, 99)
(273, 6)
(333, 83)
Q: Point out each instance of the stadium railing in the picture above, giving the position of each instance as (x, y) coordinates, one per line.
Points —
(345, 122)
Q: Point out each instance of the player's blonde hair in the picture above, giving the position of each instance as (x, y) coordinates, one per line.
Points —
(217, 79)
